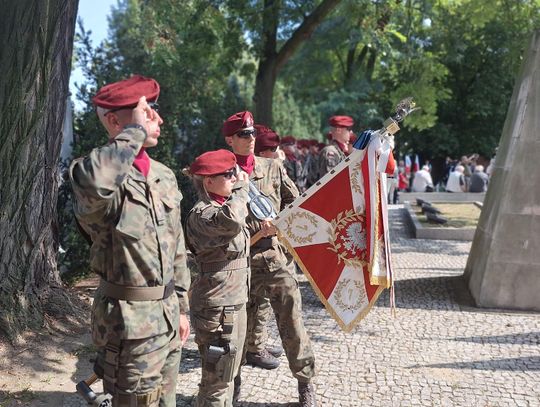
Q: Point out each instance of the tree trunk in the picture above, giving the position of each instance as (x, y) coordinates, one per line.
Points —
(271, 61)
(35, 61)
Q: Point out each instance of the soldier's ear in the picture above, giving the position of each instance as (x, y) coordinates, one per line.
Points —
(112, 121)
(228, 140)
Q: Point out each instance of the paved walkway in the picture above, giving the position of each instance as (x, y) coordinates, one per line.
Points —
(438, 351)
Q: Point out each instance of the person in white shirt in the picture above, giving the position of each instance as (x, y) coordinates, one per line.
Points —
(422, 181)
(456, 180)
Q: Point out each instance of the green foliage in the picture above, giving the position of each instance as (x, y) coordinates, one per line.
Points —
(457, 58)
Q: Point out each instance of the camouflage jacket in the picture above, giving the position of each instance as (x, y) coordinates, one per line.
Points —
(296, 173)
(137, 239)
(311, 166)
(330, 156)
(271, 179)
(215, 234)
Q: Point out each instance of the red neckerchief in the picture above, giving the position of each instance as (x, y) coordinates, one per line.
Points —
(246, 162)
(142, 162)
(343, 147)
(218, 198)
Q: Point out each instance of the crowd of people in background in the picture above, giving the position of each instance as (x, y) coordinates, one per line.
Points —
(463, 175)
(307, 161)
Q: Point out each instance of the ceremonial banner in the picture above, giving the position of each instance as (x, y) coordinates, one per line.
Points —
(338, 234)
(337, 230)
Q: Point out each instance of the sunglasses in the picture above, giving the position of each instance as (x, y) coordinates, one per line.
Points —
(273, 149)
(153, 105)
(246, 133)
(227, 174)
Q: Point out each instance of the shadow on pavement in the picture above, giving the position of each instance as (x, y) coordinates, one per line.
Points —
(523, 364)
(252, 404)
(190, 360)
(530, 338)
(442, 293)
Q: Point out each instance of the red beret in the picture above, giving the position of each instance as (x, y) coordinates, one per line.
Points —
(237, 122)
(288, 140)
(126, 93)
(341, 121)
(303, 143)
(266, 138)
(213, 163)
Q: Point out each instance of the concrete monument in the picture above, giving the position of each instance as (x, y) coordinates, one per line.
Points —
(503, 269)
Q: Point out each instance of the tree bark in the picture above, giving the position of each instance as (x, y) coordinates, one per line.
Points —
(35, 61)
(271, 61)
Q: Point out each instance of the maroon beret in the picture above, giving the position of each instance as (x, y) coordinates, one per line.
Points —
(266, 138)
(213, 163)
(288, 140)
(126, 93)
(237, 122)
(303, 143)
(341, 121)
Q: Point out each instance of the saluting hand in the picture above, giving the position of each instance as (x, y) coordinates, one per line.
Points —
(141, 112)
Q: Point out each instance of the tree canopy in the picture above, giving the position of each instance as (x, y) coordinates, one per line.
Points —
(457, 58)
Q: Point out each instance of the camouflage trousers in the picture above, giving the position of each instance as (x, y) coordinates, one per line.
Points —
(281, 288)
(257, 337)
(216, 387)
(144, 365)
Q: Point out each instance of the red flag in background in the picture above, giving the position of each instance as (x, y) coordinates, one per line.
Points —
(407, 165)
(416, 166)
(338, 233)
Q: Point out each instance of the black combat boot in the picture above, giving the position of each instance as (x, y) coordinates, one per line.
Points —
(262, 359)
(276, 350)
(306, 395)
(236, 393)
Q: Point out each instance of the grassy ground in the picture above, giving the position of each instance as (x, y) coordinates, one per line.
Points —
(459, 215)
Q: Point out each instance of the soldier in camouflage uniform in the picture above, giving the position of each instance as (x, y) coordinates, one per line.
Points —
(338, 148)
(273, 273)
(129, 206)
(293, 162)
(312, 163)
(258, 353)
(216, 233)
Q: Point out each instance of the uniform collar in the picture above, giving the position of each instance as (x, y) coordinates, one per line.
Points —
(152, 177)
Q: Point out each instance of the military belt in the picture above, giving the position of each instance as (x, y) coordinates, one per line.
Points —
(224, 265)
(122, 292)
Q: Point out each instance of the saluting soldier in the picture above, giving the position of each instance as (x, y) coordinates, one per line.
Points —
(129, 206)
(216, 233)
(272, 268)
(338, 149)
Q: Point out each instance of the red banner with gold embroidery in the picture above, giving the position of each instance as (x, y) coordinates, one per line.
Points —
(338, 233)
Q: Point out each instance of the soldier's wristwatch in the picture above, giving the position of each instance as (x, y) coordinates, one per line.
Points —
(136, 126)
